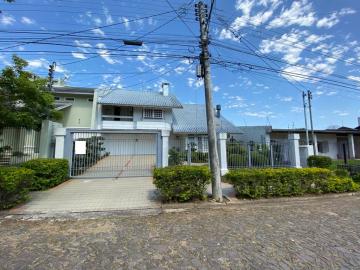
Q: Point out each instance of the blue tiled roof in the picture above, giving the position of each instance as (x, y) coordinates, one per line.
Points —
(140, 99)
(192, 119)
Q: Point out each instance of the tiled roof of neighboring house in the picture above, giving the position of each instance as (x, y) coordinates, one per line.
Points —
(73, 90)
(192, 119)
(140, 99)
(322, 131)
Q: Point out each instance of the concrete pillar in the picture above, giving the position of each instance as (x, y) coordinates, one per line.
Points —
(294, 150)
(351, 146)
(222, 153)
(165, 148)
(315, 147)
(94, 111)
(60, 134)
(45, 139)
(305, 152)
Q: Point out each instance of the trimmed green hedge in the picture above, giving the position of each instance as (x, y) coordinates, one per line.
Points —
(259, 183)
(14, 184)
(182, 183)
(319, 162)
(48, 172)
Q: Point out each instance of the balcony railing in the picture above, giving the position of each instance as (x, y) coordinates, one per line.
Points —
(117, 118)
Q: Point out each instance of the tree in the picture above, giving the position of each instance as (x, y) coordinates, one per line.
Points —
(24, 98)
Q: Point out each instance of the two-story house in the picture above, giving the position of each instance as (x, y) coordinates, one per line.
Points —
(119, 132)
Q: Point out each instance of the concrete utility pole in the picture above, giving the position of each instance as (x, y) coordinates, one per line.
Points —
(201, 13)
(309, 95)
(305, 117)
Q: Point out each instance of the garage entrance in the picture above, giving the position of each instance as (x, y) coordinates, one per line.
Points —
(110, 154)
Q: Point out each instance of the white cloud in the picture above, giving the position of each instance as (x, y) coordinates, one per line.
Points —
(286, 99)
(98, 32)
(179, 70)
(7, 20)
(195, 83)
(340, 113)
(97, 21)
(216, 88)
(334, 18)
(346, 11)
(296, 109)
(354, 78)
(27, 20)
(104, 54)
(260, 114)
(300, 13)
(108, 17)
(78, 55)
(126, 22)
(42, 63)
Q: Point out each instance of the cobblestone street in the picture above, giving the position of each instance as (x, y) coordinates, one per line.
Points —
(306, 233)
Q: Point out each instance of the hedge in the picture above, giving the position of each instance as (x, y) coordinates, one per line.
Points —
(48, 172)
(14, 184)
(264, 183)
(319, 162)
(182, 183)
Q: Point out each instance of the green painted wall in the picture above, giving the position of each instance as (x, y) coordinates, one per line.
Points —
(79, 114)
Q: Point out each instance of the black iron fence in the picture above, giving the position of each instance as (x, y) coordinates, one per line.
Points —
(18, 145)
(258, 155)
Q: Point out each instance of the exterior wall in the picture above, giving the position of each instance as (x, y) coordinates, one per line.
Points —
(357, 146)
(331, 140)
(130, 144)
(79, 114)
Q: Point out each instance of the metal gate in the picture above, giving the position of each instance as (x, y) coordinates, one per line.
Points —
(99, 154)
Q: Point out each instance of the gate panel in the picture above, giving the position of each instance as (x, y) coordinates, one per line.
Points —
(113, 154)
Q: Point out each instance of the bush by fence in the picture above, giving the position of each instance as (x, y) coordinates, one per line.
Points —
(14, 184)
(319, 162)
(48, 172)
(258, 183)
(182, 183)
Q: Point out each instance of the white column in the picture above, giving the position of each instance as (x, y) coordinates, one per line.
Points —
(60, 134)
(94, 111)
(351, 146)
(29, 141)
(222, 153)
(165, 148)
(294, 150)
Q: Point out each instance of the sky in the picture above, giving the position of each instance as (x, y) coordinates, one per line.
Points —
(264, 53)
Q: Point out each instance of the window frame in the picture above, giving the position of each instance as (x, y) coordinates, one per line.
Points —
(70, 99)
(149, 113)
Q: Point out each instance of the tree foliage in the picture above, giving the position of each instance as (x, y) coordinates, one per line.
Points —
(24, 98)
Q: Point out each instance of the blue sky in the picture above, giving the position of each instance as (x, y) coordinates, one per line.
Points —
(311, 38)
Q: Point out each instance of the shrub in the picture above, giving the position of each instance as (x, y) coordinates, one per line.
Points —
(319, 162)
(182, 183)
(237, 160)
(342, 173)
(258, 183)
(14, 183)
(199, 157)
(356, 178)
(48, 172)
(174, 157)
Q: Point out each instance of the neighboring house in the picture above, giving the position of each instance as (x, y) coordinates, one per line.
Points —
(127, 129)
(335, 143)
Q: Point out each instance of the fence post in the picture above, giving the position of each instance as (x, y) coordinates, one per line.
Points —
(222, 153)
(189, 154)
(271, 156)
(165, 147)
(294, 150)
(249, 155)
(60, 134)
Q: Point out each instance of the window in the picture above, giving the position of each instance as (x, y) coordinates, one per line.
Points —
(323, 147)
(153, 114)
(90, 99)
(70, 99)
(116, 113)
(57, 98)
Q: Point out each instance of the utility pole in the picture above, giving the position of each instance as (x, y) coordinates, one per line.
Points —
(51, 75)
(309, 95)
(202, 16)
(305, 117)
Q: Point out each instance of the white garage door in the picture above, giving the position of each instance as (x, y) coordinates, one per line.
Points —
(114, 155)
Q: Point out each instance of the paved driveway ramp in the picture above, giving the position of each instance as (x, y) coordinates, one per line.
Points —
(82, 195)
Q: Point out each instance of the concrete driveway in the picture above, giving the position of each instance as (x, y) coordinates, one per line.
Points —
(82, 195)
